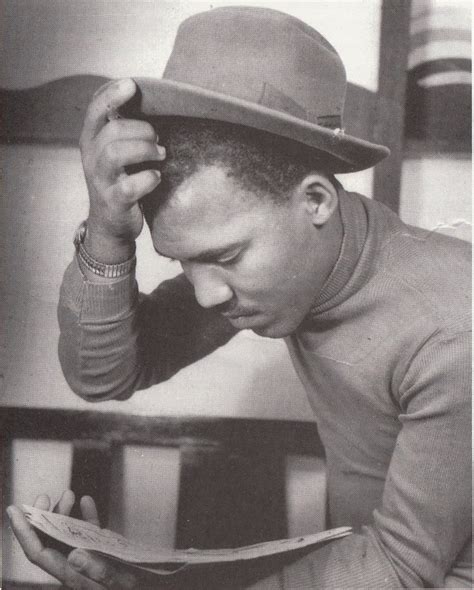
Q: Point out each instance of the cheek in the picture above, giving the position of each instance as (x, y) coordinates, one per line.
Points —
(266, 274)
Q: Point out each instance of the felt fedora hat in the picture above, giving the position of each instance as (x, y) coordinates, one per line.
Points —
(266, 70)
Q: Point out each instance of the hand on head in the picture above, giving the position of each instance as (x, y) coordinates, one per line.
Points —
(108, 145)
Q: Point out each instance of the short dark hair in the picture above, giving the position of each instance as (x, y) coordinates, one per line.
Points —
(261, 162)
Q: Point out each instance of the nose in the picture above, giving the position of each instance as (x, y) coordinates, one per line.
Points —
(210, 287)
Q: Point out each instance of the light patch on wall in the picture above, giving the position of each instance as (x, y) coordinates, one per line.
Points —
(47, 198)
(359, 182)
(436, 194)
(306, 495)
(124, 38)
(148, 494)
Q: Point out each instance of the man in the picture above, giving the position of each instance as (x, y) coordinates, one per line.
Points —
(375, 313)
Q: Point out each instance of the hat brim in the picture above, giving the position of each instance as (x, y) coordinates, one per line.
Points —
(342, 153)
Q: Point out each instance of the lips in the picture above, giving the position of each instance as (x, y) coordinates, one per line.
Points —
(236, 313)
(245, 321)
(232, 311)
(236, 316)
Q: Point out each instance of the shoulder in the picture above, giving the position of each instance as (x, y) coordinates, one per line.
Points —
(431, 269)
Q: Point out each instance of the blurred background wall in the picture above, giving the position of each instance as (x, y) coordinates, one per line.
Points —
(44, 199)
(46, 196)
(436, 174)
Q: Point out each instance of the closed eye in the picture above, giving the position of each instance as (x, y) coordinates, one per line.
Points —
(229, 260)
(223, 257)
(221, 262)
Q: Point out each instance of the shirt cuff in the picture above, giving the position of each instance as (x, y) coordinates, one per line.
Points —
(99, 300)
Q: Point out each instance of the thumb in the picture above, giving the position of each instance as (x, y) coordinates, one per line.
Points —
(108, 573)
(104, 105)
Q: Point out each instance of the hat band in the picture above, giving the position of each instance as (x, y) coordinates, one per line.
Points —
(273, 98)
(250, 88)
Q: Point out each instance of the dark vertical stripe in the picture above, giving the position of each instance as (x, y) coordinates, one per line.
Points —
(230, 499)
(6, 467)
(390, 111)
(91, 475)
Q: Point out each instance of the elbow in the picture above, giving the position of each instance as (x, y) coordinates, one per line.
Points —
(93, 384)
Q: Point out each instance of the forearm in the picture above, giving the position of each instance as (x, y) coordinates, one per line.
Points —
(115, 341)
(420, 534)
(358, 561)
(97, 345)
(362, 561)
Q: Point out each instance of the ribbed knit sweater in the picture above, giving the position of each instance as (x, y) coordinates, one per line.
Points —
(385, 359)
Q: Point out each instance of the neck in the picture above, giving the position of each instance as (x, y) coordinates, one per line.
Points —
(353, 224)
(332, 234)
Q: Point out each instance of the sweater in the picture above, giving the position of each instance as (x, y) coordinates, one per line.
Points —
(384, 356)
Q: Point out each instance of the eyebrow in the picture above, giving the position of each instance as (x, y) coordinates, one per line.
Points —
(207, 255)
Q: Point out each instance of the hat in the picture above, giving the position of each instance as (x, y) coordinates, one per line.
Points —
(266, 70)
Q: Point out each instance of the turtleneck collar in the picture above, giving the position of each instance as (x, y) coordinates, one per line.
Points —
(340, 283)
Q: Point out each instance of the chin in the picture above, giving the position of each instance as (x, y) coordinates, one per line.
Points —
(276, 330)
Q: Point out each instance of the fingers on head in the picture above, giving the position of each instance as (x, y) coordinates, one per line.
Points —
(118, 154)
(129, 129)
(131, 188)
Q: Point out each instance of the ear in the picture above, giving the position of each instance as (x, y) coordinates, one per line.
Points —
(319, 195)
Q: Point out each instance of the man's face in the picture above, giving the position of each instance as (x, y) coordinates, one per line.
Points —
(256, 262)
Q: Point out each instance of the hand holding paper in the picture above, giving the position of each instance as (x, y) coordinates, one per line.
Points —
(110, 560)
(84, 535)
(77, 568)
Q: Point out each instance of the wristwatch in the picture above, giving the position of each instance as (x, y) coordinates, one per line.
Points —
(101, 269)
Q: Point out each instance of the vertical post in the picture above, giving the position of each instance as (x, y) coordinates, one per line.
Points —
(91, 475)
(390, 103)
(229, 498)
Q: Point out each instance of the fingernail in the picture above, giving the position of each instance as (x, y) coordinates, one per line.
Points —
(9, 512)
(161, 150)
(77, 559)
(112, 115)
(125, 83)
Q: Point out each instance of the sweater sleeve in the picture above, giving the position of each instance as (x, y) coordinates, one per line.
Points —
(420, 535)
(114, 340)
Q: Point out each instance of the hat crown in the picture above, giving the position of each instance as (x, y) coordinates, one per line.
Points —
(262, 56)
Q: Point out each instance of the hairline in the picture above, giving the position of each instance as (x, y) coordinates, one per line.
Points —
(297, 155)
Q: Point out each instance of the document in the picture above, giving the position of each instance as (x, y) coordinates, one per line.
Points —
(84, 535)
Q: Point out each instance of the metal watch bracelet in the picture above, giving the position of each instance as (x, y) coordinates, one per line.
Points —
(110, 271)
(101, 269)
